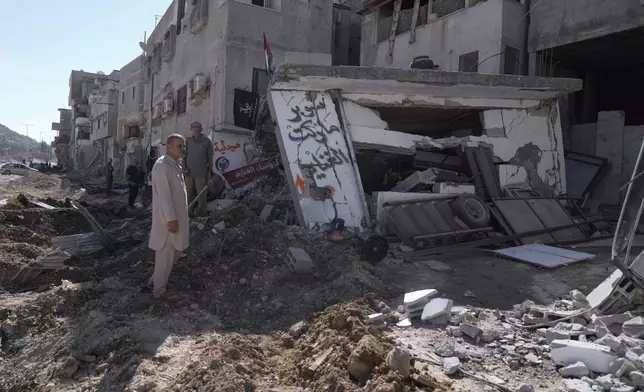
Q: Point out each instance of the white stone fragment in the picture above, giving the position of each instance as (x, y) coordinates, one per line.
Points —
(417, 299)
(576, 370)
(574, 385)
(596, 357)
(437, 310)
(451, 365)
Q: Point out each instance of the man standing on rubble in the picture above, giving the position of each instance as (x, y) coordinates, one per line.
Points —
(109, 177)
(169, 232)
(197, 165)
(133, 181)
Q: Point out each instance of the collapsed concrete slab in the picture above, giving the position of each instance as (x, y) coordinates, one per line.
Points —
(596, 357)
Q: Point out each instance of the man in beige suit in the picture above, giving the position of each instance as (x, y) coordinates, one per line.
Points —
(169, 233)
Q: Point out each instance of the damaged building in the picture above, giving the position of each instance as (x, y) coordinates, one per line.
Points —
(355, 138)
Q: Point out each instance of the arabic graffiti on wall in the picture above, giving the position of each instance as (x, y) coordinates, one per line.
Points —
(308, 123)
(316, 153)
(228, 151)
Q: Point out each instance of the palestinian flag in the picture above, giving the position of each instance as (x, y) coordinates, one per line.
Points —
(268, 56)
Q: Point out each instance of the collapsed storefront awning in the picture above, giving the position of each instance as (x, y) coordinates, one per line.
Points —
(332, 120)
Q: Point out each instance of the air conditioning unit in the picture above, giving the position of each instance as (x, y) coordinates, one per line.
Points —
(156, 112)
(199, 83)
(168, 105)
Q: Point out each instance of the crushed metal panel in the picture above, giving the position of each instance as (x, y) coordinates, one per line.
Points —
(583, 173)
(543, 255)
(78, 244)
(521, 219)
(553, 214)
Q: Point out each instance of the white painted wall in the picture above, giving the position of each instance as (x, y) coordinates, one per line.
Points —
(312, 140)
(533, 140)
(229, 151)
(470, 29)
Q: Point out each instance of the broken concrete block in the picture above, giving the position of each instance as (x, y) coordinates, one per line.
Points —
(622, 388)
(574, 385)
(576, 370)
(418, 299)
(634, 327)
(614, 343)
(637, 378)
(437, 311)
(398, 360)
(404, 323)
(525, 388)
(606, 381)
(219, 226)
(298, 260)
(621, 367)
(376, 318)
(451, 365)
(596, 357)
(298, 329)
(453, 188)
(470, 330)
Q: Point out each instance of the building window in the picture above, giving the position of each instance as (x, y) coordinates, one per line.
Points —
(181, 12)
(511, 61)
(258, 2)
(98, 123)
(133, 92)
(123, 97)
(469, 62)
(260, 81)
(182, 99)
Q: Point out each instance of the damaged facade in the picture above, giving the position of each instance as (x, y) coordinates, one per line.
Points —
(346, 133)
(206, 63)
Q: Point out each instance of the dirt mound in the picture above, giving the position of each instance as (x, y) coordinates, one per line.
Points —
(13, 256)
(337, 346)
(38, 181)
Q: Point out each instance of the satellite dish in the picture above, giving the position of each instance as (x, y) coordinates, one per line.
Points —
(142, 45)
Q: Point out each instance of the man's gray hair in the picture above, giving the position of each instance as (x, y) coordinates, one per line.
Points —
(173, 137)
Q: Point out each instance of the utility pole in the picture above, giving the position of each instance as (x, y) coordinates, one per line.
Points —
(27, 126)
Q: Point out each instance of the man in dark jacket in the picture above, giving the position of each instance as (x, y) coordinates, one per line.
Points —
(133, 182)
(109, 177)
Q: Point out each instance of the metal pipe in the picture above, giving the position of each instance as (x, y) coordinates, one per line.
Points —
(414, 201)
(449, 233)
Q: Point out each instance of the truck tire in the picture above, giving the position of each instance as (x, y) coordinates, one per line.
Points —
(472, 210)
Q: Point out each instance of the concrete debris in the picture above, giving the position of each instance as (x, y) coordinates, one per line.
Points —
(525, 388)
(404, 323)
(415, 301)
(573, 385)
(576, 370)
(398, 360)
(596, 357)
(298, 260)
(298, 329)
(471, 330)
(375, 319)
(621, 367)
(437, 311)
(451, 365)
(634, 327)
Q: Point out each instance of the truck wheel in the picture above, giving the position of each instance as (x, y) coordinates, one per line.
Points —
(471, 210)
(374, 249)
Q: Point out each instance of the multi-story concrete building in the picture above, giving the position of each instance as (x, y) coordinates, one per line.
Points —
(347, 31)
(598, 41)
(61, 142)
(81, 85)
(485, 36)
(130, 133)
(206, 63)
(103, 111)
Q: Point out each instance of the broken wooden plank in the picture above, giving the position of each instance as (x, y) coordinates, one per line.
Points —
(42, 205)
(392, 32)
(319, 361)
(104, 237)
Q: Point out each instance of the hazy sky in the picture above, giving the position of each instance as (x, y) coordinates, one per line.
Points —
(44, 40)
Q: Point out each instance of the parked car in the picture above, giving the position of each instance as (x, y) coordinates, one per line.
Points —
(16, 168)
